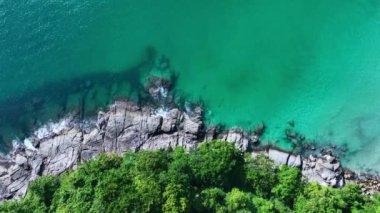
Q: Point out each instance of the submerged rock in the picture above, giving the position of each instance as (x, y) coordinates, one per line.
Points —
(158, 87)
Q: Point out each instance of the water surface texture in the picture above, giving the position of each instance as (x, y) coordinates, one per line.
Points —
(316, 62)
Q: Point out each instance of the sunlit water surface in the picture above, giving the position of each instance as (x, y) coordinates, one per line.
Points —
(316, 62)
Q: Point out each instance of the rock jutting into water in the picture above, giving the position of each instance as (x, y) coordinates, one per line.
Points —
(126, 126)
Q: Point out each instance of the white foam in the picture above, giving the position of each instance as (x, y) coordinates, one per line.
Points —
(163, 112)
(28, 144)
(163, 92)
(51, 128)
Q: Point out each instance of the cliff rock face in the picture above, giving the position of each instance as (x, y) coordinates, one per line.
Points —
(125, 126)
(128, 127)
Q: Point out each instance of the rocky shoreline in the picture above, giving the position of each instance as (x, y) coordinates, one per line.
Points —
(126, 126)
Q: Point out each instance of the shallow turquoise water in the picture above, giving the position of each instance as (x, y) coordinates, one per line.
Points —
(315, 62)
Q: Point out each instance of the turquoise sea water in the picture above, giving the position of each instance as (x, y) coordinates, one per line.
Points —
(316, 62)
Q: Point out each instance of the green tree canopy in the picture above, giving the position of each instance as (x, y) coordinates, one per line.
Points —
(212, 178)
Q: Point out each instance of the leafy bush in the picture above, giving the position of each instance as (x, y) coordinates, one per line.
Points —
(260, 175)
(217, 164)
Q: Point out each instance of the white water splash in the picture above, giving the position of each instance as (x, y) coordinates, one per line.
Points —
(28, 144)
(163, 92)
(163, 112)
(52, 128)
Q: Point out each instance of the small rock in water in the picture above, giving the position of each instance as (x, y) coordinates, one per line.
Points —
(255, 139)
(88, 84)
(293, 135)
(162, 63)
(288, 132)
(158, 87)
(259, 129)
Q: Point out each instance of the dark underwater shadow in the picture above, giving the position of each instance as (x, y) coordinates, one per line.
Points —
(83, 95)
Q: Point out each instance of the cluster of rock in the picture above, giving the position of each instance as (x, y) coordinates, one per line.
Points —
(368, 183)
(126, 126)
(324, 169)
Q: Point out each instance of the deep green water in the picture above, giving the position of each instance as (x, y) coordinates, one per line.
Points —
(316, 62)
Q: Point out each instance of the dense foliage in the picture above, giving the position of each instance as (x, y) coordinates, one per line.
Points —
(216, 177)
